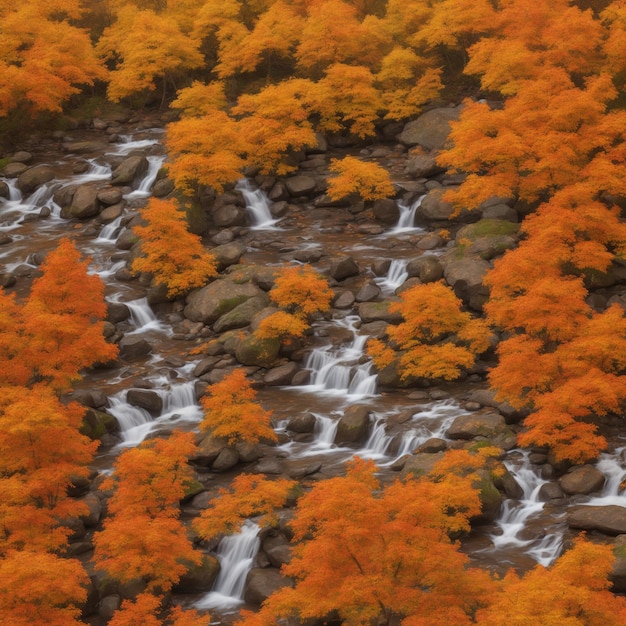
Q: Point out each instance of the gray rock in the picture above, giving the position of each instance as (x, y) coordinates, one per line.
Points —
(610, 520)
(226, 459)
(434, 207)
(304, 423)
(343, 267)
(145, 399)
(85, 202)
(484, 423)
(208, 450)
(582, 479)
(111, 213)
(216, 299)
(84, 147)
(431, 129)
(344, 300)
(262, 582)
(300, 185)
(386, 210)
(277, 548)
(368, 292)
(423, 166)
(281, 375)
(353, 426)
(162, 187)
(254, 351)
(133, 347)
(229, 215)
(228, 254)
(241, 315)
(33, 177)
(378, 311)
(129, 170)
(94, 510)
(427, 268)
(109, 196)
(618, 575)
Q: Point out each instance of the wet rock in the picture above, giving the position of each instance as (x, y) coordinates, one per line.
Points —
(582, 479)
(343, 267)
(229, 215)
(465, 274)
(241, 315)
(145, 399)
(386, 210)
(423, 166)
(344, 300)
(133, 347)
(162, 187)
(378, 311)
(353, 426)
(281, 375)
(304, 423)
(300, 185)
(432, 445)
(84, 203)
(269, 465)
(549, 491)
(429, 241)
(129, 170)
(255, 351)
(226, 459)
(126, 240)
(431, 129)
(228, 254)
(33, 177)
(277, 548)
(21, 156)
(368, 292)
(84, 147)
(427, 268)
(485, 423)
(96, 424)
(434, 207)
(262, 582)
(109, 196)
(111, 213)
(248, 452)
(209, 448)
(199, 578)
(13, 170)
(208, 304)
(610, 520)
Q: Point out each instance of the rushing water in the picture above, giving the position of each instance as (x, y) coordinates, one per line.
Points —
(258, 206)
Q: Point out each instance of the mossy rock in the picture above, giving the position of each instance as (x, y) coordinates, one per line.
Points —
(98, 423)
(255, 351)
(487, 238)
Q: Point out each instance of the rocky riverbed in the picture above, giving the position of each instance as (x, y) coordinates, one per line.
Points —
(328, 402)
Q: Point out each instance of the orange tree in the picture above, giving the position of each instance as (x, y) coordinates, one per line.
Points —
(437, 339)
(173, 255)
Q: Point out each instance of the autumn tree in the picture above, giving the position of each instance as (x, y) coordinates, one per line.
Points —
(355, 177)
(437, 339)
(367, 552)
(149, 482)
(45, 57)
(147, 610)
(173, 255)
(300, 292)
(231, 412)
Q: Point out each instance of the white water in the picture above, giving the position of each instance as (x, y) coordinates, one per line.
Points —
(257, 205)
(236, 554)
(614, 490)
(516, 513)
(145, 186)
(396, 276)
(342, 371)
(127, 144)
(143, 318)
(406, 222)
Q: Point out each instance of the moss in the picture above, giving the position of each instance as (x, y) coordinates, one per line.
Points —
(489, 228)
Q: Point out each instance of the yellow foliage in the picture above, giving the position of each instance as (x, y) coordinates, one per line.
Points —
(353, 176)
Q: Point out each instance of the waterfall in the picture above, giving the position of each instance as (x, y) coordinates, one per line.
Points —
(109, 232)
(142, 317)
(127, 145)
(258, 206)
(396, 276)
(341, 371)
(94, 173)
(515, 514)
(407, 217)
(236, 554)
(145, 186)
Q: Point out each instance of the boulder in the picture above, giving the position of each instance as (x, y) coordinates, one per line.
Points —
(208, 450)
(94, 510)
(13, 170)
(33, 177)
(277, 547)
(386, 210)
(226, 459)
(417, 465)
(487, 238)
(133, 347)
(228, 254)
(281, 375)
(427, 268)
(484, 423)
(145, 399)
(199, 578)
(343, 267)
(431, 129)
(618, 575)
(128, 170)
(255, 351)
(610, 519)
(241, 315)
(378, 311)
(368, 292)
(300, 185)
(228, 215)
(583, 479)
(434, 208)
(96, 424)
(423, 166)
(262, 582)
(353, 426)
(208, 304)
(85, 203)
(304, 423)
(85, 147)
(111, 213)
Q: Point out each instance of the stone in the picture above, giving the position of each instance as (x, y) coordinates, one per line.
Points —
(145, 399)
(241, 315)
(84, 202)
(199, 578)
(281, 375)
(304, 423)
(610, 519)
(209, 448)
(262, 582)
(618, 575)
(434, 208)
(229, 215)
(129, 170)
(162, 188)
(254, 351)
(248, 452)
(423, 166)
(484, 423)
(94, 510)
(431, 129)
(277, 548)
(368, 292)
(300, 185)
(133, 347)
(111, 213)
(427, 268)
(33, 177)
(13, 170)
(209, 303)
(228, 254)
(417, 465)
(226, 459)
(378, 311)
(344, 300)
(343, 267)
(21, 156)
(84, 147)
(583, 479)
(386, 210)
(97, 424)
(109, 196)
(353, 426)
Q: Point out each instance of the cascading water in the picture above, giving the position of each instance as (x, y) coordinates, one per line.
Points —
(406, 221)
(395, 277)
(342, 371)
(236, 554)
(258, 206)
(142, 317)
(145, 186)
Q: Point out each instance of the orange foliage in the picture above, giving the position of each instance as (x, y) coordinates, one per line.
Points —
(144, 513)
(146, 610)
(353, 176)
(573, 592)
(61, 319)
(367, 552)
(231, 412)
(175, 257)
(437, 338)
(248, 496)
(41, 588)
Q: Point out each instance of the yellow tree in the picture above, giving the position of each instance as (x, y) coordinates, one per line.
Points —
(173, 255)
(355, 177)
